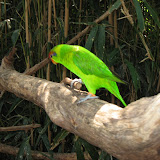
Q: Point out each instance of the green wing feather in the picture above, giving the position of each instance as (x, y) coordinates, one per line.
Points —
(90, 64)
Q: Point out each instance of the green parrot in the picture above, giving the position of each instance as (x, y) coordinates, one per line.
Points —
(93, 72)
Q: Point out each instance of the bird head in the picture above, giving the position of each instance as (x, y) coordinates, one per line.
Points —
(54, 55)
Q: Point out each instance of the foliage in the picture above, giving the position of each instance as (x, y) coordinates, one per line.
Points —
(119, 44)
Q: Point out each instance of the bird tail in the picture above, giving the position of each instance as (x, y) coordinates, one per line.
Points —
(112, 87)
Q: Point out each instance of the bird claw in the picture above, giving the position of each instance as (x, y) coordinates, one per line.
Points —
(76, 80)
(86, 98)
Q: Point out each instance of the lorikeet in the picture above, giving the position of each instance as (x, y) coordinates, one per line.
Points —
(93, 72)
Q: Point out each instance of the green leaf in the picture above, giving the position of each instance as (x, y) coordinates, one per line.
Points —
(1, 106)
(15, 36)
(149, 75)
(101, 41)
(59, 137)
(104, 156)
(114, 55)
(24, 148)
(42, 131)
(90, 149)
(47, 145)
(91, 37)
(153, 13)
(27, 150)
(134, 75)
(14, 105)
(139, 15)
(115, 6)
(10, 135)
(79, 149)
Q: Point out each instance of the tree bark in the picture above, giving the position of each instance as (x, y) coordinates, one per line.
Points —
(131, 133)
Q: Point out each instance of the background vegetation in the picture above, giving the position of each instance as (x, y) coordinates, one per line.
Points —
(129, 43)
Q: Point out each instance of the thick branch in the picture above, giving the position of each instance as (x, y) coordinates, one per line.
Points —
(131, 133)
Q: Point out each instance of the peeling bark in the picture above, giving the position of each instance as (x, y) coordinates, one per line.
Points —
(131, 133)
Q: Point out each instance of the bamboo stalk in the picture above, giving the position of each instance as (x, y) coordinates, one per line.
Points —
(115, 29)
(32, 137)
(55, 15)
(27, 32)
(5, 24)
(0, 30)
(49, 20)
(66, 26)
(49, 41)
(110, 19)
(49, 34)
(126, 13)
(26, 21)
(0, 12)
(79, 26)
(49, 134)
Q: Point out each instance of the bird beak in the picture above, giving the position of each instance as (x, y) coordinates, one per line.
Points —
(52, 59)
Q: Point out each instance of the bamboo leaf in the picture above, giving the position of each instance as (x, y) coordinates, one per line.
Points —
(115, 6)
(79, 149)
(139, 15)
(47, 145)
(15, 36)
(22, 149)
(1, 105)
(10, 135)
(104, 156)
(27, 150)
(14, 105)
(90, 149)
(149, 76)
(134, 75)
(59, 137)
(91, 37)
(42, 131)
(101, 41)
(114, 56)
(153, 13)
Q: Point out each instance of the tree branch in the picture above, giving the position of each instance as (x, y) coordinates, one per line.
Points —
(130, 133)
(40, 155)
(36, 67)
(16, 128)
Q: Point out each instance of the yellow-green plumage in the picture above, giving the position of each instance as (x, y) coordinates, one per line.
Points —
(93, 72)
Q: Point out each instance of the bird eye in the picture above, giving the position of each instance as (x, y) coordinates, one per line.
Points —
(53, 54)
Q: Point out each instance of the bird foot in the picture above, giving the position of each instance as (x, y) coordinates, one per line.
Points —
(89, 96)
(76, 80)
